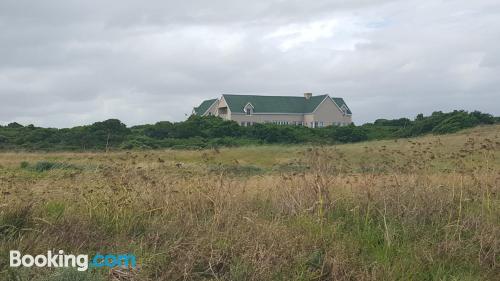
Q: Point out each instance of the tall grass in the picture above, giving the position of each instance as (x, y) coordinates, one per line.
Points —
(419, 209)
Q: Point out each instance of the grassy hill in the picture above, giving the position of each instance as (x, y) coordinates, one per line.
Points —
(425, 208)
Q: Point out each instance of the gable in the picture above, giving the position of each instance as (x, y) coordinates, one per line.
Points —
(328, 109)
(204, 106)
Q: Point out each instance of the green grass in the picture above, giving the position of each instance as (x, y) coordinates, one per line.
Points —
(372, 211)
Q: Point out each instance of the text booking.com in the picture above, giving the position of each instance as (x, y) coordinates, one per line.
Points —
(80, 262)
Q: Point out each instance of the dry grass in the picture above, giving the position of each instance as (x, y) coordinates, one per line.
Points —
(417, 209)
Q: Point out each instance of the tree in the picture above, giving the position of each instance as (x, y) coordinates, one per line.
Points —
(483, 118)
(160, 130)
(14, 125)
(111, 132)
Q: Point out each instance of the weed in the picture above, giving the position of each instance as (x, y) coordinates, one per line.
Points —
(236, 170)
(420, 209)
(43, 166)
(14, 221)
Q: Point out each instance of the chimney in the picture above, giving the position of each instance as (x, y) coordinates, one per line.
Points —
(307, 95)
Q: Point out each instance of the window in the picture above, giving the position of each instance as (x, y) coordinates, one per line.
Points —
(321, 124)
(222, 110)
(344, 109)
(248, 109)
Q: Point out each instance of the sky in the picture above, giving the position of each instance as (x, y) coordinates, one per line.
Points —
(68, 63)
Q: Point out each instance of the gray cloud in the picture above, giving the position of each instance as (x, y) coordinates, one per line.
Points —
(66, 63)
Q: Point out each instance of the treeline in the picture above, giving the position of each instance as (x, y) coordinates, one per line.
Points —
(202, 132)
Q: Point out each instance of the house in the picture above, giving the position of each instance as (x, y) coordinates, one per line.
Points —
(308, 110)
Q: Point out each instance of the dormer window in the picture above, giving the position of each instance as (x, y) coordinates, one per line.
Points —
(344, 109)
(248, 109)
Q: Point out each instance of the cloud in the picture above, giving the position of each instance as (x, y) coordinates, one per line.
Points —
(341, 33)
(72, 62)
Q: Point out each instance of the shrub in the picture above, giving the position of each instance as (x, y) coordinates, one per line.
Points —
(55, 209)
(211, 131)
(349, 133)
(236, 170)
(24, 165)
(15, 220)
(455, 122)
(14, 125)
(43, 166)
(140, 142)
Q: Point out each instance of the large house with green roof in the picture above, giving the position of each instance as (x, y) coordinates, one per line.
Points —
(308, 110)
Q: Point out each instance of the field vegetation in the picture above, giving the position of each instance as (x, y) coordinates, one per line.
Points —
(425, 208)
(210, 132)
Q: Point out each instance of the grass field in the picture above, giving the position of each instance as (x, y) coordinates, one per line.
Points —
(411, 209)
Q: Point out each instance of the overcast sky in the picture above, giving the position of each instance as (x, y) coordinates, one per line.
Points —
(67, 63)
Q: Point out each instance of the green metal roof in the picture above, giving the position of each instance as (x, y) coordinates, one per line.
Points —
(277, 104)
(340, 102)
(204, 106)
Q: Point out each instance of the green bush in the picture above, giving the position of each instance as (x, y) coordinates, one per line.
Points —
(437, 123)
(455, 123)
(210, 131)
(347, 134)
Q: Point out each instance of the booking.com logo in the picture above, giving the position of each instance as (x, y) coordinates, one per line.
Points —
(81, 262)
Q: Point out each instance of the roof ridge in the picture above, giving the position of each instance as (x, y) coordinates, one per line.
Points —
(272, 96)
